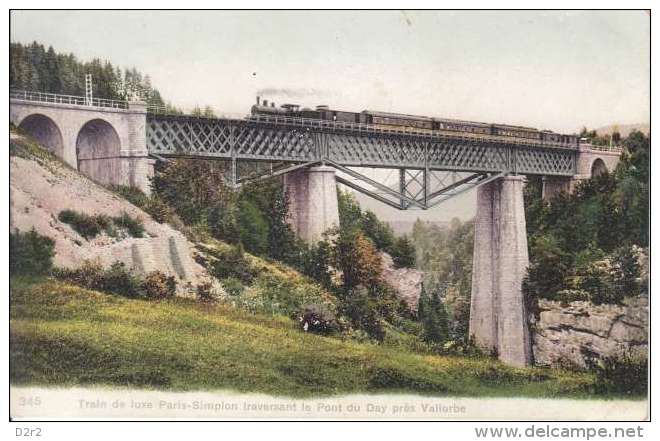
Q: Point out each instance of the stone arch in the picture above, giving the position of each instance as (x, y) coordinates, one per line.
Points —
(97, 148)
(44, 130)
(598, 168)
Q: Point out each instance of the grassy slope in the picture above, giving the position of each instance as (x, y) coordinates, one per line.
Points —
(65, 335)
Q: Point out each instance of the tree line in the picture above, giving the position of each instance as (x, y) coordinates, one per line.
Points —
(592, 244)
(37, 68)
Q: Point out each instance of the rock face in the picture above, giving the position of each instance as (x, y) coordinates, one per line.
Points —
(407, 282)
(39, 191)
(577, 333)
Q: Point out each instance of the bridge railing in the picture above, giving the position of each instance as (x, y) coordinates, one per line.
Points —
(56, 98)
(604, 148)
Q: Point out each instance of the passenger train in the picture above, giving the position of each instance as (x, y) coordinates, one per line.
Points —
(419, 123)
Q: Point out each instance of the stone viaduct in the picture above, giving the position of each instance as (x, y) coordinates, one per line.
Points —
(105, 141)
(111, 142)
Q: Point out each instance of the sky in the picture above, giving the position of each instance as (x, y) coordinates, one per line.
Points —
(557, 70)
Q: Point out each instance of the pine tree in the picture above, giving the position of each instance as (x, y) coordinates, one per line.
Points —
(208, 112)
(52, 71)
(433, 316)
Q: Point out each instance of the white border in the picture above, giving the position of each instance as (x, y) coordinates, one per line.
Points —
(291, 431)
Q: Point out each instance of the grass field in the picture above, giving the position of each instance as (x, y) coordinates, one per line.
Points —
(64, 335)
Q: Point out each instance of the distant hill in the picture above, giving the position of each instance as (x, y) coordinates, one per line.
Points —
(623, 129)
(402, 227)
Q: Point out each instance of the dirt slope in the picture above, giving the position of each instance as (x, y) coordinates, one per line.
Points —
(41, 187)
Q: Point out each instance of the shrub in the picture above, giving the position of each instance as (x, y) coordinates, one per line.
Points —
(91, 226)
(233, 264)
(566, 296)
(314, 261)
(279, 295)
(597, 281)
(627, 262)
(233, 286)
(547, 269)
(119, 280)
(223, 221)
(205, 292)
(252, 227)
(116, 279)
(88, 275)
(30, 253)
(154, 205)
(467, 347)
(87, 226)
(157, 286)
(361, 310)
(626, 374)
(134, 226)
(318, 320)
(161, 212)
(132, 194)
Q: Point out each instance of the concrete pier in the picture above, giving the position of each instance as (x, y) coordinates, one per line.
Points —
(313, 207)
(498, 315)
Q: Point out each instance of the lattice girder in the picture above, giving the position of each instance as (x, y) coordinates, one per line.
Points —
(172, 136)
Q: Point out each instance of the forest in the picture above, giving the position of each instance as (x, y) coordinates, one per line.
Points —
(593, 244)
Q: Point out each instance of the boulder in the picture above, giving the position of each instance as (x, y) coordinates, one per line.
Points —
(407, 282)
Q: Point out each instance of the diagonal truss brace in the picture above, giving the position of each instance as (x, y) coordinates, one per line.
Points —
(423, 198)
(376, 184)
(447, 193)
(273, 173)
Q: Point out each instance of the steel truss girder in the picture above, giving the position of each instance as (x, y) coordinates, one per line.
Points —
(261, 141)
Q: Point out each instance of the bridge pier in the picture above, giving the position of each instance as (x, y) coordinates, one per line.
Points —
(312, 198)
(498, 315)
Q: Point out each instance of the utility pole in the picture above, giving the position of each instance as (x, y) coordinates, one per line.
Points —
(89, 95)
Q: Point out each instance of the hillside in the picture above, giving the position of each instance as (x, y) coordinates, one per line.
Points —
(41, 187)
(64, 335)
(623, 129)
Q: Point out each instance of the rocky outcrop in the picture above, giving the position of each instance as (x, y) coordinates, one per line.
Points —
(40, 189)
(407, 282)
(579, 333)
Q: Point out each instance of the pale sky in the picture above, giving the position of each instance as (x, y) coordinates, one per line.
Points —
(550, 70)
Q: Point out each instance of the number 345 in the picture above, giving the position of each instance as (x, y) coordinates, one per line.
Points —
(29, 401)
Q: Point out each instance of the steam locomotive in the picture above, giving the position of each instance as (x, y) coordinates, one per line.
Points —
(418, 123)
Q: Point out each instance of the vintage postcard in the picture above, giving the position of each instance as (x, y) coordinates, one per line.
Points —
(376, 215)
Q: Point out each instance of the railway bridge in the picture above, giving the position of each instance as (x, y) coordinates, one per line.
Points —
(117, 142)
